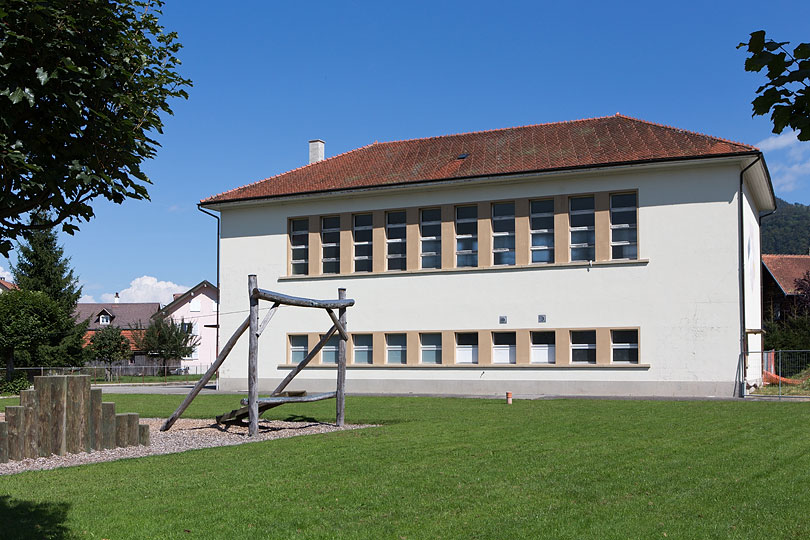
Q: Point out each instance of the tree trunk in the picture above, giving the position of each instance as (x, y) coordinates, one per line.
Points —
(10, 365)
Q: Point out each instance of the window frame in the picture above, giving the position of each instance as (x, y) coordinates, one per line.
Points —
(473, 348)
(510, 348)
(550, 349)
(503, 234)
(298, 348)
(362, 348)
(403, 257)
(370, 243)
(624, 346)
(324, 245)
(304, 263)
(433, 348)
(583, 346)
(532, 232)
(588, 228)
(423, 238)
(623, 226)
(389, 348)
(330, 347)
(473, 236)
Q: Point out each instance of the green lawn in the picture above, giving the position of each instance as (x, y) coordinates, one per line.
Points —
(448, 468)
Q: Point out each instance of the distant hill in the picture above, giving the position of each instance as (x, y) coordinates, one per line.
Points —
(788, 230)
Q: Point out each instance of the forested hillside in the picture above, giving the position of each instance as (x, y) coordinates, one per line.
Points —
(788, 230)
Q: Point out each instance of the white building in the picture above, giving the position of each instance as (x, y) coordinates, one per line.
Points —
(608, 256)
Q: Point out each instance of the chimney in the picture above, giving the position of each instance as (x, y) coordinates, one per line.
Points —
(117, 299)
(316, 152)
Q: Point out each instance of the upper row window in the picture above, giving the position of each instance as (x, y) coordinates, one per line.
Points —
(582, 235)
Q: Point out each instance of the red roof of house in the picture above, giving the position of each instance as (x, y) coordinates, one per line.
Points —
(7, 285)
(786, 269)
(129, 334)
(610, 140)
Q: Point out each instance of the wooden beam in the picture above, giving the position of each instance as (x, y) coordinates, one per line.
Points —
(143, 435)
(340, 328)
(300, 302)
(108, 427)
(267, 318)
(3, 442)
(253, 357)
(340, 386)
(208, 374)
(301, 365)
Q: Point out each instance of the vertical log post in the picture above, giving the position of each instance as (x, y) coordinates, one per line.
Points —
(340, 395)
(143, 435)
(133, 433)
(3, 442)
(108, 427)
(16, 434)
(253, 353)
(121, 430)
(42, 387)
(96, 440)
(28, 400)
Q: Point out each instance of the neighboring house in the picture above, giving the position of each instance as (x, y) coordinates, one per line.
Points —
(196, 309)
(779, 283)
(7, 286)
(608, 256)
(126, 316)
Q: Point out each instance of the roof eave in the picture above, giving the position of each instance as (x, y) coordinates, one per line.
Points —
(217, 205)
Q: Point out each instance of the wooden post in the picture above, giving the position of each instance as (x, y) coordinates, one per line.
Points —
(42, 387)
(77, 427)
(30, 424)
(340, 397)
(132, 429)
(3, 442)
(121, 430)
(95, 420)
(58, 386)
(143, 435)
(253, 353)
(108, 427)
(16, 435)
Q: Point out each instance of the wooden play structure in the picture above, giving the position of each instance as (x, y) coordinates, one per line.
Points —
(62, 415)
(252, 407)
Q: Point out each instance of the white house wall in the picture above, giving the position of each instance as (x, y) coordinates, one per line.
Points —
(683, 293)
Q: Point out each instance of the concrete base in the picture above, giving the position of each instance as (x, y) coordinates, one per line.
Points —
(520, 389)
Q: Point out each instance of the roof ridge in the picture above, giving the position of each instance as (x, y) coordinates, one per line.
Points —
(291, 170)
(479, 132)
(619, 115)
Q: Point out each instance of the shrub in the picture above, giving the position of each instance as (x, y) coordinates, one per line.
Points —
(15, 385)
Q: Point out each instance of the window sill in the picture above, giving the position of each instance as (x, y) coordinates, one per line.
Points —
(510, 268)
(474, 366)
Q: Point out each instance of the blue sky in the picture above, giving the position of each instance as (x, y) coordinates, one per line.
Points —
(269, 77)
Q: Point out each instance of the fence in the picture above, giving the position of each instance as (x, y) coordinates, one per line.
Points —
(120, 374)
(785, 374)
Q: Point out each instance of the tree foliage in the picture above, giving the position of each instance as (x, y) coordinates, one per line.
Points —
(82, 89)
(166, 340)
(28, 319)
(786, 94)
(788, 230)
(109, 345)
(41, 266)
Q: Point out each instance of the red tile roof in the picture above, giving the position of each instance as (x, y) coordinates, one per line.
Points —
(786, 269)
(610, 140)
(7, 285)
(129, 334)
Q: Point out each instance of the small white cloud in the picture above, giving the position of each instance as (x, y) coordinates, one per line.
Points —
(5, 274)
(174, 208)
(779, 142)
(87, 299)
(147, 289)
(788, 177)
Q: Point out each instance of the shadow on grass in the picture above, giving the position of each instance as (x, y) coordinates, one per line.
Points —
(23, 520)
(300, 418)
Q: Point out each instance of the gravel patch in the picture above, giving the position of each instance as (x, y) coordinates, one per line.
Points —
(186, 434)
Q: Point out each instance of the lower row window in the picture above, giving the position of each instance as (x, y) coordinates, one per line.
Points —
(624, 348)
